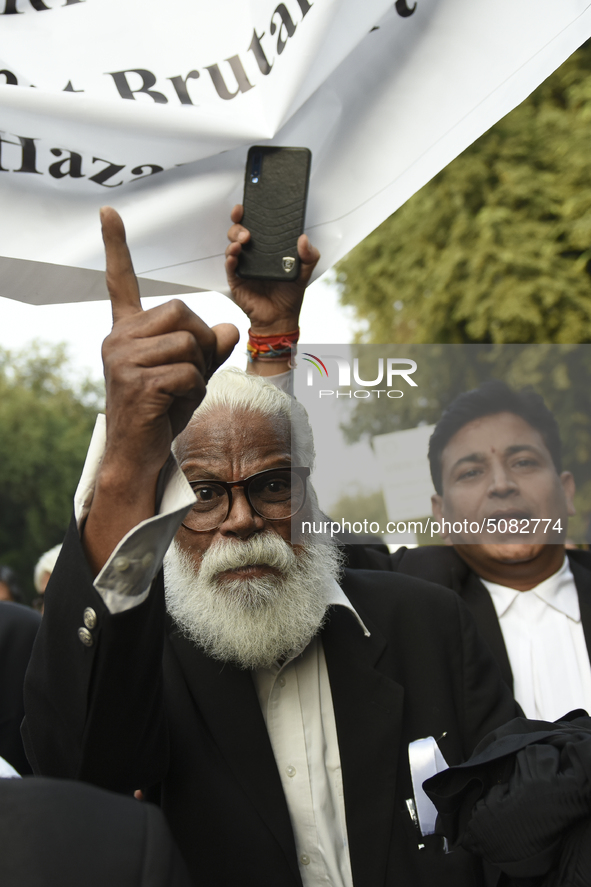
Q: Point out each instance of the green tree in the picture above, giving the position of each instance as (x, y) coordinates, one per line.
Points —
(497, 247)
(46, 421)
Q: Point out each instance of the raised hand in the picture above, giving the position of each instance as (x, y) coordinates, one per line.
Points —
(272, 306)
(157, 364)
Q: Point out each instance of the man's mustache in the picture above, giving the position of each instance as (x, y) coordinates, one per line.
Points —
(266, 548)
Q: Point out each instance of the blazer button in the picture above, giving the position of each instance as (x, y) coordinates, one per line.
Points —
(86, 637)
(90, 619)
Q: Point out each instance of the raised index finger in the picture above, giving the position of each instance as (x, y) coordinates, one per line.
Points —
(121, 279)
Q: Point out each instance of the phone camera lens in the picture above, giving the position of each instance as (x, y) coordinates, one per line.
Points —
(256, 168)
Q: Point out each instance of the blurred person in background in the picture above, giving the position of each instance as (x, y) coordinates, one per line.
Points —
(18, 629)
(495, 457)
(9, 587)
(43, 570)
(56, 832)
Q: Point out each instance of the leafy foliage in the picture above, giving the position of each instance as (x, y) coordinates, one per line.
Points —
(46, 421)
(497, 247)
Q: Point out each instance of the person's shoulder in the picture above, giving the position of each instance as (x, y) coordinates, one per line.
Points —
(580, 557)
(60, 823)
(17, 617)
(434, 563)
(580, 564)
(387, 591)
(367, 556)
(410, 612)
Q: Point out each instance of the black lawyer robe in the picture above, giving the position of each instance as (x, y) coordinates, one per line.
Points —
(143, 708)
(442, 564)
(62, 833)
(18, 629)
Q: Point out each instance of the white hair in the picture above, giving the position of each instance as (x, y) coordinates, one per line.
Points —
(237, 391)
(45, 564)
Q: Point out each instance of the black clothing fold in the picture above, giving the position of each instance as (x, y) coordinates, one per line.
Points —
(523, 800)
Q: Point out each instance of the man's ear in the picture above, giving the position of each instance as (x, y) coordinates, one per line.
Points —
(437, 506)
(568, 485)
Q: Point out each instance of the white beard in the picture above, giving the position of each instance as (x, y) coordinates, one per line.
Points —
(252, 622)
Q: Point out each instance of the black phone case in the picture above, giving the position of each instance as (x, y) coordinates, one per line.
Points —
(274, 212)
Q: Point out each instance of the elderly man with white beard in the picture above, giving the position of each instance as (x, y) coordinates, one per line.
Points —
(247, 595)
(266, 701)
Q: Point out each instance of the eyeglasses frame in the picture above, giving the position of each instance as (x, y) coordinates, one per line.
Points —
(245, 482)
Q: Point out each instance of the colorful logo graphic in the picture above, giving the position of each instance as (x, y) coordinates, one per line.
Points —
(389, 371)
(315, 361)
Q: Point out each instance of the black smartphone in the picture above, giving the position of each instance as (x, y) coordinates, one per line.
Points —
(275, 195)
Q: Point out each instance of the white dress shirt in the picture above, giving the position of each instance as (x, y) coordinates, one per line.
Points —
(296, 702)
(545, 643)
(295, 698)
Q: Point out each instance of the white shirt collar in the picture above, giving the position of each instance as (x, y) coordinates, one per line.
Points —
(337, 598)
(558, 591)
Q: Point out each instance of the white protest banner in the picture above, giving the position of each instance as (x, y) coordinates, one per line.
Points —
(151, 106)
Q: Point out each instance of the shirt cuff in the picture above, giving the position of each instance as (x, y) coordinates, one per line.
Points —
(124, 581)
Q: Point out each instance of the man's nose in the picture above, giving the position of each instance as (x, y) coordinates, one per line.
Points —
(502, 483)
(242, 520)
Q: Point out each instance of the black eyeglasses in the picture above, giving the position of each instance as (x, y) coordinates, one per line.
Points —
(275, 494)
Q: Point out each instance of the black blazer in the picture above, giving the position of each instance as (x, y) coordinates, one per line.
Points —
(441, 563)
(56, 832)
(18, 628)
(142, 707)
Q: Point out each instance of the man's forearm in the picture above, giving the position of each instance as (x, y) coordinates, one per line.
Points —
(122, 500)
(125, 576)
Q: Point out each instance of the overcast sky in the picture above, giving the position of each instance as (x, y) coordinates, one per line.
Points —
(84, 325)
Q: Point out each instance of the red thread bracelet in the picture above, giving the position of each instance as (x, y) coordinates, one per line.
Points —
(277, 347)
